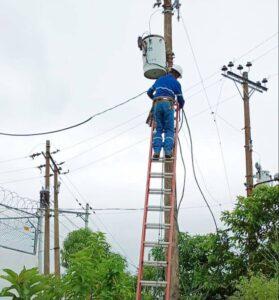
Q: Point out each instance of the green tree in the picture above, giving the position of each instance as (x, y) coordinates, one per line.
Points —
(79, 277)
(208, 266)
(26, 285)
(211, 265)
(253, 226)
(256, 288)
(93, 269)
(76, 241)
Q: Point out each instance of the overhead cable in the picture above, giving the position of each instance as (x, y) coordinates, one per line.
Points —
(210, 106)
(109, 155)
(105, 227)
(238, 58)
(194, 172)
(75, 125)
(105, 131)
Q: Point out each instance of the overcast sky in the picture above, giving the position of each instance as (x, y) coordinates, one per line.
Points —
(63, 61)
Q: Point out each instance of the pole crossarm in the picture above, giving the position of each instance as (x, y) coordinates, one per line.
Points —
(241, 79)
(78, 213)
(17, 218)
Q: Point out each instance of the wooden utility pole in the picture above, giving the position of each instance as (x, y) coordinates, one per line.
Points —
(168, 11)
(168, 166)
(249, 87)
(47, 215)
(56, 224)
(248, 140)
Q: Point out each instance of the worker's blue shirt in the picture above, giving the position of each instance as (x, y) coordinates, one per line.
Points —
(167, 86)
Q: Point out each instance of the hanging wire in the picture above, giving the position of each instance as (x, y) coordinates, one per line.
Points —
(75, 125)
(194, 173)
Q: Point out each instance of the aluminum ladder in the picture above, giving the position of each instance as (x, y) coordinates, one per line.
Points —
(153, 207)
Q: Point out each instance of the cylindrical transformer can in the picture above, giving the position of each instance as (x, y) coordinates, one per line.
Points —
(154, 56)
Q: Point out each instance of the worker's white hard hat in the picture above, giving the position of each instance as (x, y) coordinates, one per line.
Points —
(178, 69)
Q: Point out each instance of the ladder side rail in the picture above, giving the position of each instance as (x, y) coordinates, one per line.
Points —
(173, 195)
(143, 234)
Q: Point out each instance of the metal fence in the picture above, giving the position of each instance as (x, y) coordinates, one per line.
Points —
(18, 222)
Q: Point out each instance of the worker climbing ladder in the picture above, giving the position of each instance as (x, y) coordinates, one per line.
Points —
(158, 224)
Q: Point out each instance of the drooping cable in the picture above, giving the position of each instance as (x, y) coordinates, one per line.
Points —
(75, 125)
(194, 172)
(184, 177)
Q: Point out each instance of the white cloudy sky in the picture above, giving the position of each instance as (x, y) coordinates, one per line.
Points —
(63, 61)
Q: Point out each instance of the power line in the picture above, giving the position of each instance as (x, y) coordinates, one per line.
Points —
(13, 159)
(20, 180)
(201, 175)
(206, 109)
(109, 155)
(75, 125)
(210, 106)
(104, 132)
(17, 170)
(139, 209)
(264, 54)
(104, 142)
(70, 221)
(236, 59)
(131, 263)
(258, 45)
(194, 172)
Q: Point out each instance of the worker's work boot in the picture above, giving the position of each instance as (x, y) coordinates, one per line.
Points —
(168, 155)
(156, 155)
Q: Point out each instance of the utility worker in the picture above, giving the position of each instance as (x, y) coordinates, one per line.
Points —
(164, 92)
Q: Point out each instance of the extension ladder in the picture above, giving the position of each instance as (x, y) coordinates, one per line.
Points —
(156, 208)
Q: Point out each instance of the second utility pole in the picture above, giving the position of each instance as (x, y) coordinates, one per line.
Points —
(56, 224)
(174, 283)
(249, 87)
(248, 140)
(47, 216)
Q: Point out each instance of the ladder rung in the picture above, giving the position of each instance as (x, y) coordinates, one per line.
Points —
(153, 283)
(161, 175)
(158, 208)
(160, 191)
(156, 244)
(162, 159)
(159, 264)
(157, 226)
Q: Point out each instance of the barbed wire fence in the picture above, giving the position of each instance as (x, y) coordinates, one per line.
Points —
(18, 222)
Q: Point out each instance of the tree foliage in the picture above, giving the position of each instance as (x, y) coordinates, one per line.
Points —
(240, 262)
(76, 241)
(253, 226)
(256, 288)
(28, 284)
(93, 271)
(213, 266)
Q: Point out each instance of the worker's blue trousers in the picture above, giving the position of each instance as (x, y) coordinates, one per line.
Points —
(164, 123)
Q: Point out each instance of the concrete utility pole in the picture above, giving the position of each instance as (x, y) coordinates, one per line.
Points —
(249, 87)
(40, 229)
(56, 224)
(168, 166)
(86, 215)
(47, 216)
